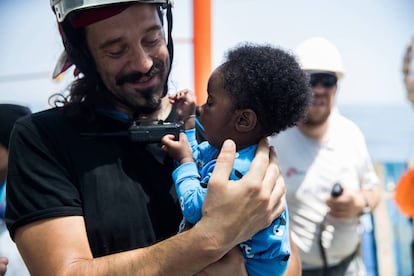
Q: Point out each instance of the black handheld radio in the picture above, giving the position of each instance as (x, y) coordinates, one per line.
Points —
(335, 192)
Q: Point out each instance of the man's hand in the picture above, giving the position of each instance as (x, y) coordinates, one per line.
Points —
(347, 205)
(351, 203)
(3, 265)
(234, 211)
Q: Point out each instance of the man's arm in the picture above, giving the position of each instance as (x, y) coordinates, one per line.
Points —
(294, 266)
(3, 265)
(59, 246)
(231, 264)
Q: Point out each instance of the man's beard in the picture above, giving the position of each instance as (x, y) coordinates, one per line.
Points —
(152, 103)
(151, 97)
(314, 121)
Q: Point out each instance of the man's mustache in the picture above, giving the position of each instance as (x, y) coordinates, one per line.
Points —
(156, 68)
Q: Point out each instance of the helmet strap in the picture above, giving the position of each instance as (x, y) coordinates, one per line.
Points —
(170, 44)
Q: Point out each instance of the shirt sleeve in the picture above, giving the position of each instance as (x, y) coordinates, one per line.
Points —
(189, 191)
(38, 184)
(192, 140)
(367, 174)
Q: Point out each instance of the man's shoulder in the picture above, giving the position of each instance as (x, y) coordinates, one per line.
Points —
(49, 125)
(344, 124)
(285, 137)
(42, 118)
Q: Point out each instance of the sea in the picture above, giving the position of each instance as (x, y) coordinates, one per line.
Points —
(388, 129)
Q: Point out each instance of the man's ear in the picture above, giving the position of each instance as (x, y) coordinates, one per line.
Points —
(246, 120)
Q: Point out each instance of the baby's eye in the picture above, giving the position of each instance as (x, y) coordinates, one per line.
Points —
(209, 101)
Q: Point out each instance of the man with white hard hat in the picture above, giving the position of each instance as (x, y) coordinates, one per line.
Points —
(327, 170)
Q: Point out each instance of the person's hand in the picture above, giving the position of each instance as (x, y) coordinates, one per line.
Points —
(184, 102)
(3, 265)
(408, 70)
(347, 205)
(231, 264)
(233, 211)
(178, 150)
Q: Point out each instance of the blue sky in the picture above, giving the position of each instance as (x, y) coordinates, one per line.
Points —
(371, 35)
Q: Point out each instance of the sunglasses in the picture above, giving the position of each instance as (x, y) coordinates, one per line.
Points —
(327, 80)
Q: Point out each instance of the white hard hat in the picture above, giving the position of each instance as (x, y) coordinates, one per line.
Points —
(318, 54)
(63, 7)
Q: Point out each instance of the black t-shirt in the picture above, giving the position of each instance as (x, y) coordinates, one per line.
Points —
(123, 189)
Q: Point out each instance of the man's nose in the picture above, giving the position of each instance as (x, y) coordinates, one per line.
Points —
(318, 89)
(140, 60)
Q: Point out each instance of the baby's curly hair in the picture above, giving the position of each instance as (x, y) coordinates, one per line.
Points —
(269, 81)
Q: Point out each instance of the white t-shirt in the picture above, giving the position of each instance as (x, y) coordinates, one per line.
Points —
(310, 169)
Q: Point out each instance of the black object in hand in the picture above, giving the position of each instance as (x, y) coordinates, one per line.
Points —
(153, 133)
(337, 190)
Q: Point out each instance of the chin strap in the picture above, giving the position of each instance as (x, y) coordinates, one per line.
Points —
(170, 44)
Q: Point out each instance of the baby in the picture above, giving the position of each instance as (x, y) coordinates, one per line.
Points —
(258, 91)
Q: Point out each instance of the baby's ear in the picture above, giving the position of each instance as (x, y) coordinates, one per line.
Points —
(246, 120)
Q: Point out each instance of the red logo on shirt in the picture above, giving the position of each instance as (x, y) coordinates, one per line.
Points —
(291, 171)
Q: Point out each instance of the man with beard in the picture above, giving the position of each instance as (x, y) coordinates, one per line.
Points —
(327, 169)
(85, 199)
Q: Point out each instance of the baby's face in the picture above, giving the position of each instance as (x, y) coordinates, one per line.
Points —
(217, 114)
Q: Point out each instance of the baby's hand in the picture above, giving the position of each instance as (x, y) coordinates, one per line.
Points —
(178, 150)
(184, 102)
